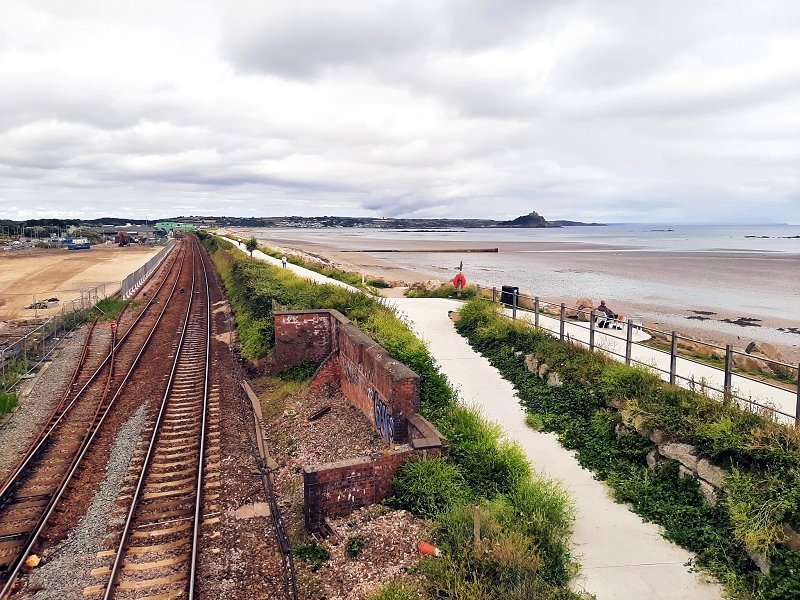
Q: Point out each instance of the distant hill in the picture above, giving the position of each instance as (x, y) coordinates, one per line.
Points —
(561, 223)
(532, 219)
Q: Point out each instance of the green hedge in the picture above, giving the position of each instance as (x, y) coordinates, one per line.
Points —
(762, 492)
(483, 469)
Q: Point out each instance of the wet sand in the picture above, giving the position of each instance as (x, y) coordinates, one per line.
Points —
(656, 285)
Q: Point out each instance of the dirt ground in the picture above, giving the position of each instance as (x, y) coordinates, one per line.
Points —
(61, 273)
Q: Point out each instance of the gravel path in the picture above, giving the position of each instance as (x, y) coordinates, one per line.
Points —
(76, 554)
(37, 404)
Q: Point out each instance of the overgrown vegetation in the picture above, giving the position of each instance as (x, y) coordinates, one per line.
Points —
(315, 554)
(395, 590)
(761, 494)
(446, 290)
(525, 522)
(348, 277)
(109, 309)
(8, 401)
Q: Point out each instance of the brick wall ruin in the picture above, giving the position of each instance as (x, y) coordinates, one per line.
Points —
(383, 389)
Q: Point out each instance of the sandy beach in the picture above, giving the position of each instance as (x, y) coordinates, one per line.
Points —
(658, 285)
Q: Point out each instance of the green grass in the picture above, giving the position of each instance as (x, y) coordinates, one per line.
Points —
(528, 519)
(109, 309)
(395, 590)
(446, 290)
(8, 401)
(761, 494)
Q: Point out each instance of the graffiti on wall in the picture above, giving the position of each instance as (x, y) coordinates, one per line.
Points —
(383, 416)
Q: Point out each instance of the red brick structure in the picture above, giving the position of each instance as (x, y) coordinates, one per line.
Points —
(385, 390)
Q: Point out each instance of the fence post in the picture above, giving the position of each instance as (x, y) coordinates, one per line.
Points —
(728, 374)
(536, 311)
(673, 358)
(561, 323)
(628, 343)
(591, 330)
(514, 305)
(494, 294)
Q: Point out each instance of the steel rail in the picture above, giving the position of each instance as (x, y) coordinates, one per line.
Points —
(34, 450)
(201, 462)
(137, 493)
(5, 591)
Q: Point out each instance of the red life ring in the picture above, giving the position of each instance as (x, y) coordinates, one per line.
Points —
(459, 281)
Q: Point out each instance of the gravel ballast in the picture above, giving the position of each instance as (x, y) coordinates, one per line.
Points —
(38, 399)
(76, 554)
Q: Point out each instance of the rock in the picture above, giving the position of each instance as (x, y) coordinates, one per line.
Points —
(518, 353)
(543, 369)
(657, 437)
(765, 350)
(686, 454)
(761, 560)
(532, 363)
(554, 380)
(792, 538)
(709, 492)
(684, 472)
(653, 458)
(584, 306)
(711, 473)
(620, 430)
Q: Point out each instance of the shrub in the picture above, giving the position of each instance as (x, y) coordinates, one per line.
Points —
(429, 486)
(354, 545)
(489, 464)
(8, 401)
(315, 554)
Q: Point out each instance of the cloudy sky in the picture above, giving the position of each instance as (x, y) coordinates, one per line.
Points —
(613, 110)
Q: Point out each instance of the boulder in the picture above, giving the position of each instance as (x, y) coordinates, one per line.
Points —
(709, 492)
(532, 363)
(710, 473)
(684, 472)
(584, 306)
(761, 560)
(764, 350)
(554, 379)
(791, 538)
(657, 437)
(543, 369)
(686, 454)
(653, 458)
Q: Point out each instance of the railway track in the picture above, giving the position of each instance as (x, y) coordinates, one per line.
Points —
(156, 555)
(29, 496)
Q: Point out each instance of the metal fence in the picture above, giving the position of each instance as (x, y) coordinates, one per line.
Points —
(21, 357)
(132, 282)
(765, 371)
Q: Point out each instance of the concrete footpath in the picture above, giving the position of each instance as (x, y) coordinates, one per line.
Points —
(621, 557)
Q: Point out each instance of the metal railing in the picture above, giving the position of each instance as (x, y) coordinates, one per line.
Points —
(774, 373)
(24, 355)
(132, 282)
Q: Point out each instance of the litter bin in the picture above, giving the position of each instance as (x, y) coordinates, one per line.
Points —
(509, 295)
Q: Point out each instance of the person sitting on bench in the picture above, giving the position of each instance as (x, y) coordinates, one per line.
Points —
(610, 315)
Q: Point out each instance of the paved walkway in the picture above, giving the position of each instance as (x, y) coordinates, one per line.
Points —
(622, 558)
